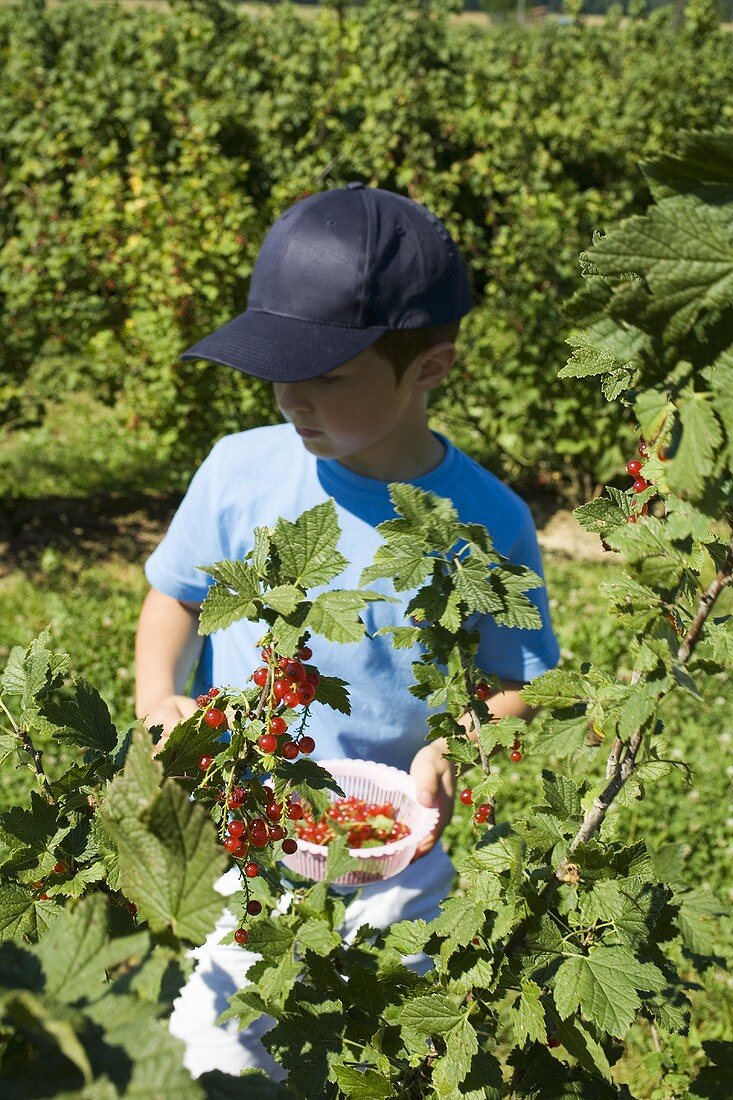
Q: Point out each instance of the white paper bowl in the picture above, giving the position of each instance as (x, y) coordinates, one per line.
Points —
(374, 783)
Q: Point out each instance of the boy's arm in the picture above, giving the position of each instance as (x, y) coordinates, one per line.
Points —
(435, 777)
(167, 646)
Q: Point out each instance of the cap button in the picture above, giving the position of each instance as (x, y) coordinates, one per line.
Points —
(355, 186)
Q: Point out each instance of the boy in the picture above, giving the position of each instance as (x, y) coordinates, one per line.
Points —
(355, 303)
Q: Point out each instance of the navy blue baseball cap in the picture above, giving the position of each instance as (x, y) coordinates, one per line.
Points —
(335, 271)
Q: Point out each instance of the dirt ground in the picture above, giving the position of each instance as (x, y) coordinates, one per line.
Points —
(129, 526)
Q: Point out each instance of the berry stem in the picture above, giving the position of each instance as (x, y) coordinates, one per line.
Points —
(35, 754)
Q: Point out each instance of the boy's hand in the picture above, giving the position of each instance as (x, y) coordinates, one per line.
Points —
(168, 713)
(435, 781)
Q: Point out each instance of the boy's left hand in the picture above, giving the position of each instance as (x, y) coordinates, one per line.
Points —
(435, 781)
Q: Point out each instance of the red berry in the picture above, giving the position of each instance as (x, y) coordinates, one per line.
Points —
(291, 699)
(44, 897)
(305, 653)
(482, 690)
(260, 676)
(306, 745)
(290, 846)
(290, 750)
(280, 689)
(306, 694)
(640, 485)
(553, 1042)
(202, 700)
(294, 670)
(251, 870)
(295, 812)
(274, 811)
(276, 833)
(235, 828)
(133, 908)
(214, 717)
(466, 796)
(642, 448)
(213, 692)
(241, 935)
(633, 467)
(515, 756)
(313, 677)
(237, 797)
(278, 725)
(267, 742)
(205, 762)
(233, 844)
(254, 907)
(59, 868)
(266, 654)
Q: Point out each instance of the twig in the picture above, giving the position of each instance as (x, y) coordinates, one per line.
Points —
(704, 607)
(35, 754)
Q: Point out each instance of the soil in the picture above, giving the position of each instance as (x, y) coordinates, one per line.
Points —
(129, 526)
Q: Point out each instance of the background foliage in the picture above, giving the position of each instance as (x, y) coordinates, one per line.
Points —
(141, 168)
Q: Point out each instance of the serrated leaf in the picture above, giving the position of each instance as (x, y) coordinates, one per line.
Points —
(234, 595)
(588, 360)
(339, 862)
(84, 720)
(436, 1014)
(451, 1069)
(169, 858)
(363, 1084)
(696, 919)
(284, 598)
(527, 1015)
(403, 559)
(335, 616)
(333, 692)
(603, 985)
(186, 743)
(315, 935)
(17, 911)
(31, 1015)
(307, 547)
(599, 515)
(76, 952)
(33, 671)
(408, 937)
(692, 463)
(563, 795)
(579, 1042)
(556, 688)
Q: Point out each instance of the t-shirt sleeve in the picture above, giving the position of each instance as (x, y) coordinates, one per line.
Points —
(195, 537)
(510, 652)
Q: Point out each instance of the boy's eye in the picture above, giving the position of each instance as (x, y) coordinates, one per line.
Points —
(327, 379)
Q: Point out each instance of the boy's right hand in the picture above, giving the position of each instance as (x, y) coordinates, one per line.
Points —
(168, 713)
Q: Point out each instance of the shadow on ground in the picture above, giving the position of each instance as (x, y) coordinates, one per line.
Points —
(127, 525)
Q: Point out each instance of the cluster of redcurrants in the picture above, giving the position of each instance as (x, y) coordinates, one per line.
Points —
(366, 824)
(289, 683)
(483, 811)
(59, 868)
(639, 484)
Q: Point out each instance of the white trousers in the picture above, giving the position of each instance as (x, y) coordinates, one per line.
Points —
(221, 968)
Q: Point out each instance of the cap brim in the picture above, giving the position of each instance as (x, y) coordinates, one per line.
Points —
(282, 349)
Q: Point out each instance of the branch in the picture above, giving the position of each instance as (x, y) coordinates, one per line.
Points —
(705, 606)
(35, 754)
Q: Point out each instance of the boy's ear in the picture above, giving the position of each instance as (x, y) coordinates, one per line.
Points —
(436, 364)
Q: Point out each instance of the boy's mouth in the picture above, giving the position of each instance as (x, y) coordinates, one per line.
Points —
(307, 433)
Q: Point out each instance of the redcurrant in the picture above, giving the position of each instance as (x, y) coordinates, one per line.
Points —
(482, 690)
(290, 846)
(290, 750)
(254, 907)
(640, 485)
(278, 725)
(260, 676)
(214, 717)
(213, 692)
(205, 762)
(515, 756)
(295, 812)
(251, 870)
(633, 467)
(306, 745)
(241, 935)
(274, 811)
(306, 694)
(305, 653)
(291, 699)
(466, 796)
(267, 742)
(235, 828)
(59, 868)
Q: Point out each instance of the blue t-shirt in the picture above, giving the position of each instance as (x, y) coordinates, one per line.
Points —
(252, 478)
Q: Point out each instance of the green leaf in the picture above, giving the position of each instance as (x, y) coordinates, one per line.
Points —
(451, 1070)
(31, 1015)
(333, 692)
(83, 720)
(408, 937)
(169, 858)
(692, 463)
(35, 671)
(363, 1084)
(235, 595)
(335, 615)
(588, 360)
(599, 516)
(563, 795)
(403, 559)
(186, 743)
(307, 548)
(284, 598)
(17, 911)
(603, 985)
(315, 935)
(436, 1014)
(527, 1015)
(339, 862)
(556, 689)
(696, 919)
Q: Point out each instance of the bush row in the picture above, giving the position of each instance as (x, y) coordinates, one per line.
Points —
(141, 167)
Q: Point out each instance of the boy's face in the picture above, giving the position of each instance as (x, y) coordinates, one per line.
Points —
(358, 409)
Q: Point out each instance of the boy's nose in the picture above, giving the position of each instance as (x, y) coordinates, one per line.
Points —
(292, 396)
